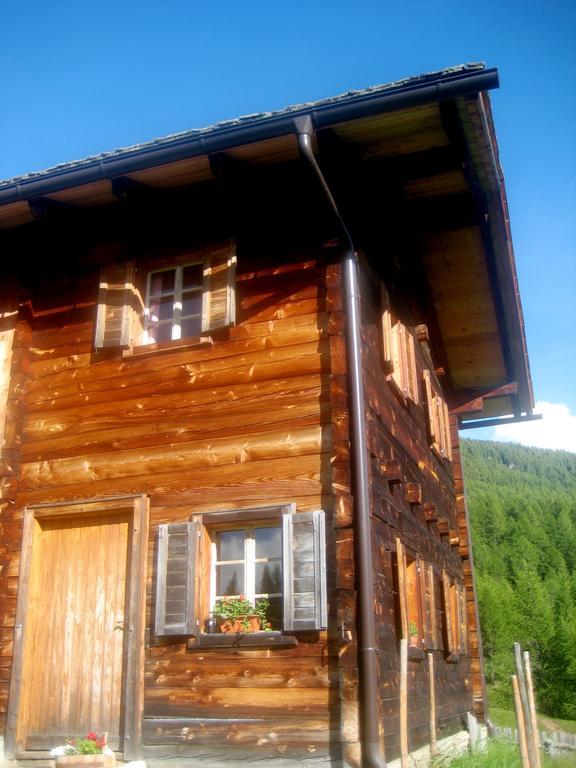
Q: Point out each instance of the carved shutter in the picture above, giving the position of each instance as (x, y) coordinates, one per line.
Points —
(219, 291)
(115, 306)
(175, 603)
(304, 560)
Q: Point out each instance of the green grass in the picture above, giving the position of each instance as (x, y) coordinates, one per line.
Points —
(501, 754)
(505, 717)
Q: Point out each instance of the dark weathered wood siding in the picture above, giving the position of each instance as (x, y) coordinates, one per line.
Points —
(407, 478)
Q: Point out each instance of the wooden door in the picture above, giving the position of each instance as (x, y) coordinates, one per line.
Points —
(75, 650)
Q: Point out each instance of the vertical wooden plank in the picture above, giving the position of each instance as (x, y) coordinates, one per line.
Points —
(523, 699)
(522, 743)
(432, 688)
(136, 655)
(532, 708)
(404, 703)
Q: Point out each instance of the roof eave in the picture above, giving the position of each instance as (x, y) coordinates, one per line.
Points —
(410, 94)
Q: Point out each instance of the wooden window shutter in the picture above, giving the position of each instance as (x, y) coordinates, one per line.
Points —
(463, 619)
(396, 355)
(115, 306)
(219, 291)
(430, 601)
(425, 609)
(446, 431)
(402, 593)
(304, 562)
(432, 410)
(386, 329)
(175, 600)
(448, 619)
(411, 370)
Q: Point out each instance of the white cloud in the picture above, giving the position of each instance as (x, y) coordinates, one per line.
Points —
(556, 429)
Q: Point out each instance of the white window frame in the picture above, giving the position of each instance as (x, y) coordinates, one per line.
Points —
(177, 318)
(250, 561)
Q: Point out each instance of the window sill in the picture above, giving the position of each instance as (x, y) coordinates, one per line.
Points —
(168, 346)
(247, 640)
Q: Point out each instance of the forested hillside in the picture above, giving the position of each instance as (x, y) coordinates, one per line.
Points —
(522, 505)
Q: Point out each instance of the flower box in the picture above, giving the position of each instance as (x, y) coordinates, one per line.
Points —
(86, 761)
(241, 624)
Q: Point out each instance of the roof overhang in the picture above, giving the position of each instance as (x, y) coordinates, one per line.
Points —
(469, 264)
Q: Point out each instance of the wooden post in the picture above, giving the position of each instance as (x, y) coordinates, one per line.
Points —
(433, 742)
(404, 702)
(532, 707)
(520, 722)
(524, 702)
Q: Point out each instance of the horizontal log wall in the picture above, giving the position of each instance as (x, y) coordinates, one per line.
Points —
(408, 478)
(258, 417)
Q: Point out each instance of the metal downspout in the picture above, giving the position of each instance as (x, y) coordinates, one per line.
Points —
(372, 757)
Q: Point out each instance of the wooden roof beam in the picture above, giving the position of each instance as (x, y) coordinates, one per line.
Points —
(43, 208)
(463, 401)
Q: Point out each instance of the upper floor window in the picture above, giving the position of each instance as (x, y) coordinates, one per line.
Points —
(173, 307)
(190, 297)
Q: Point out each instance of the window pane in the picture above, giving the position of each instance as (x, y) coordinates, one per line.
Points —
(192, 276)
(192, 304)
(268, 578)
(268, 542)
(191, 327)
(274, 613)
(162, 281)
(230, 545)
(161, 332)
(230, 579)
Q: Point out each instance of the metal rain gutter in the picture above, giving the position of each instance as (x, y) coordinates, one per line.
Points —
(410, 94)
(479, 423)
(364, 566)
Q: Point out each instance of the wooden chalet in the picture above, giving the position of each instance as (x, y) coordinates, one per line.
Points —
(235, 361)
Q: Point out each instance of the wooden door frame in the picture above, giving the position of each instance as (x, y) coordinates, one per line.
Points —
(133, 683)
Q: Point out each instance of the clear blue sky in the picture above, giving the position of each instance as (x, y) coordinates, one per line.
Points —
(78, 78)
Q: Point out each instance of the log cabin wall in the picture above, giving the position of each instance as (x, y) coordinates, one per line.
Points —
(414, 502)
(256, 418)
